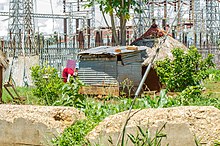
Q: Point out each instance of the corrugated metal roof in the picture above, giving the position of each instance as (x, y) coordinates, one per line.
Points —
(109, 50)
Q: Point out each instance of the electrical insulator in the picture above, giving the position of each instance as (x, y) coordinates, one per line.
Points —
(64, 6)
(174, 6)
(190, 5)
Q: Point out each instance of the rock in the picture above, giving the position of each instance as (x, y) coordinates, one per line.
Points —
(34, 125)
(183, 124)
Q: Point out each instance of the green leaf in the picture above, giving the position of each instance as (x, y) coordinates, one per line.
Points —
(132, 138)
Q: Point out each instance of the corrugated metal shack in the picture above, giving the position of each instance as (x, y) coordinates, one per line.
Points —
(104, 68)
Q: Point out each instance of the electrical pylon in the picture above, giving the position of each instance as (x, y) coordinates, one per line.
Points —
(20, 22)
(212, 23)
(28, 24)
(15, 24)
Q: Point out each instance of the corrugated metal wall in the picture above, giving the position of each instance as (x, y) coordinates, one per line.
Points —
(109, 71)
(132, 67)
(93, 72)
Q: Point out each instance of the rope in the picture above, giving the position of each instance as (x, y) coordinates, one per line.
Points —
(122, 133)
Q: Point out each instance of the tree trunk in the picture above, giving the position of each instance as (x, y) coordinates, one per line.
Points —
(113, 25)
(123, 31)
(114, 29)
(123, 21)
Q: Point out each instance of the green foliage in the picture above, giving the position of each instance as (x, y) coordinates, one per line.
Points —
(191, 92)
(214, 75)
(47, 83)
(186, 69)
(143, 137)
(217, 143)
(116, 6)
(70, 94)
(193, 96)
(95, 112)
(74, 135)
(160, 101)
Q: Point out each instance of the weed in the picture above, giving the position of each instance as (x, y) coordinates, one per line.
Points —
(143, 138)
(127, 86)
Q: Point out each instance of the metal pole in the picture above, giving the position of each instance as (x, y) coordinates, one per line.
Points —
(65, 24)
(143, 79)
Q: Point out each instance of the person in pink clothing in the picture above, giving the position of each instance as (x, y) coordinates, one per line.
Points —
(71, 69)
(67, 72)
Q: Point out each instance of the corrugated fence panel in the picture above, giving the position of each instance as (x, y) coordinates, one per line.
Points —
(98, 72)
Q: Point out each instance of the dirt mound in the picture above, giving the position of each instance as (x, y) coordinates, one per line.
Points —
(203, 122)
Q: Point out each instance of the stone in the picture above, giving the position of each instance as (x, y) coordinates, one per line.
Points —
(34, 125)
(182, 125)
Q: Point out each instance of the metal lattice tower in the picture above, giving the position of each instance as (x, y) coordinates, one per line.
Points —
(15, 23)
(20, 22)
(198, 23)
(151, 5)
(141, 21)
(212, 23)
(28, 22)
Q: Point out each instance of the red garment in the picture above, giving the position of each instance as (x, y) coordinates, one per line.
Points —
(65, 73)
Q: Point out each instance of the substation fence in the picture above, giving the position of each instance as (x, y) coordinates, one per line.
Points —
(11, 49)
(215, 52)
(57, 57)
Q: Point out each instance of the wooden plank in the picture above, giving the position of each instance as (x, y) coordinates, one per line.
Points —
(100, 90)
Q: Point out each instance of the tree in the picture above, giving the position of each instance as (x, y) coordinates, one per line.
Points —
(121, 9)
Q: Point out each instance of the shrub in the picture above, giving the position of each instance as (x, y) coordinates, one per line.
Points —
(70, 94)
(190, 95)
(186, 69)
(47, 84)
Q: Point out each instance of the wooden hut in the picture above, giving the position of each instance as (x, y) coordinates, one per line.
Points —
(153, 38)
(3, 64)
(105, 69)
